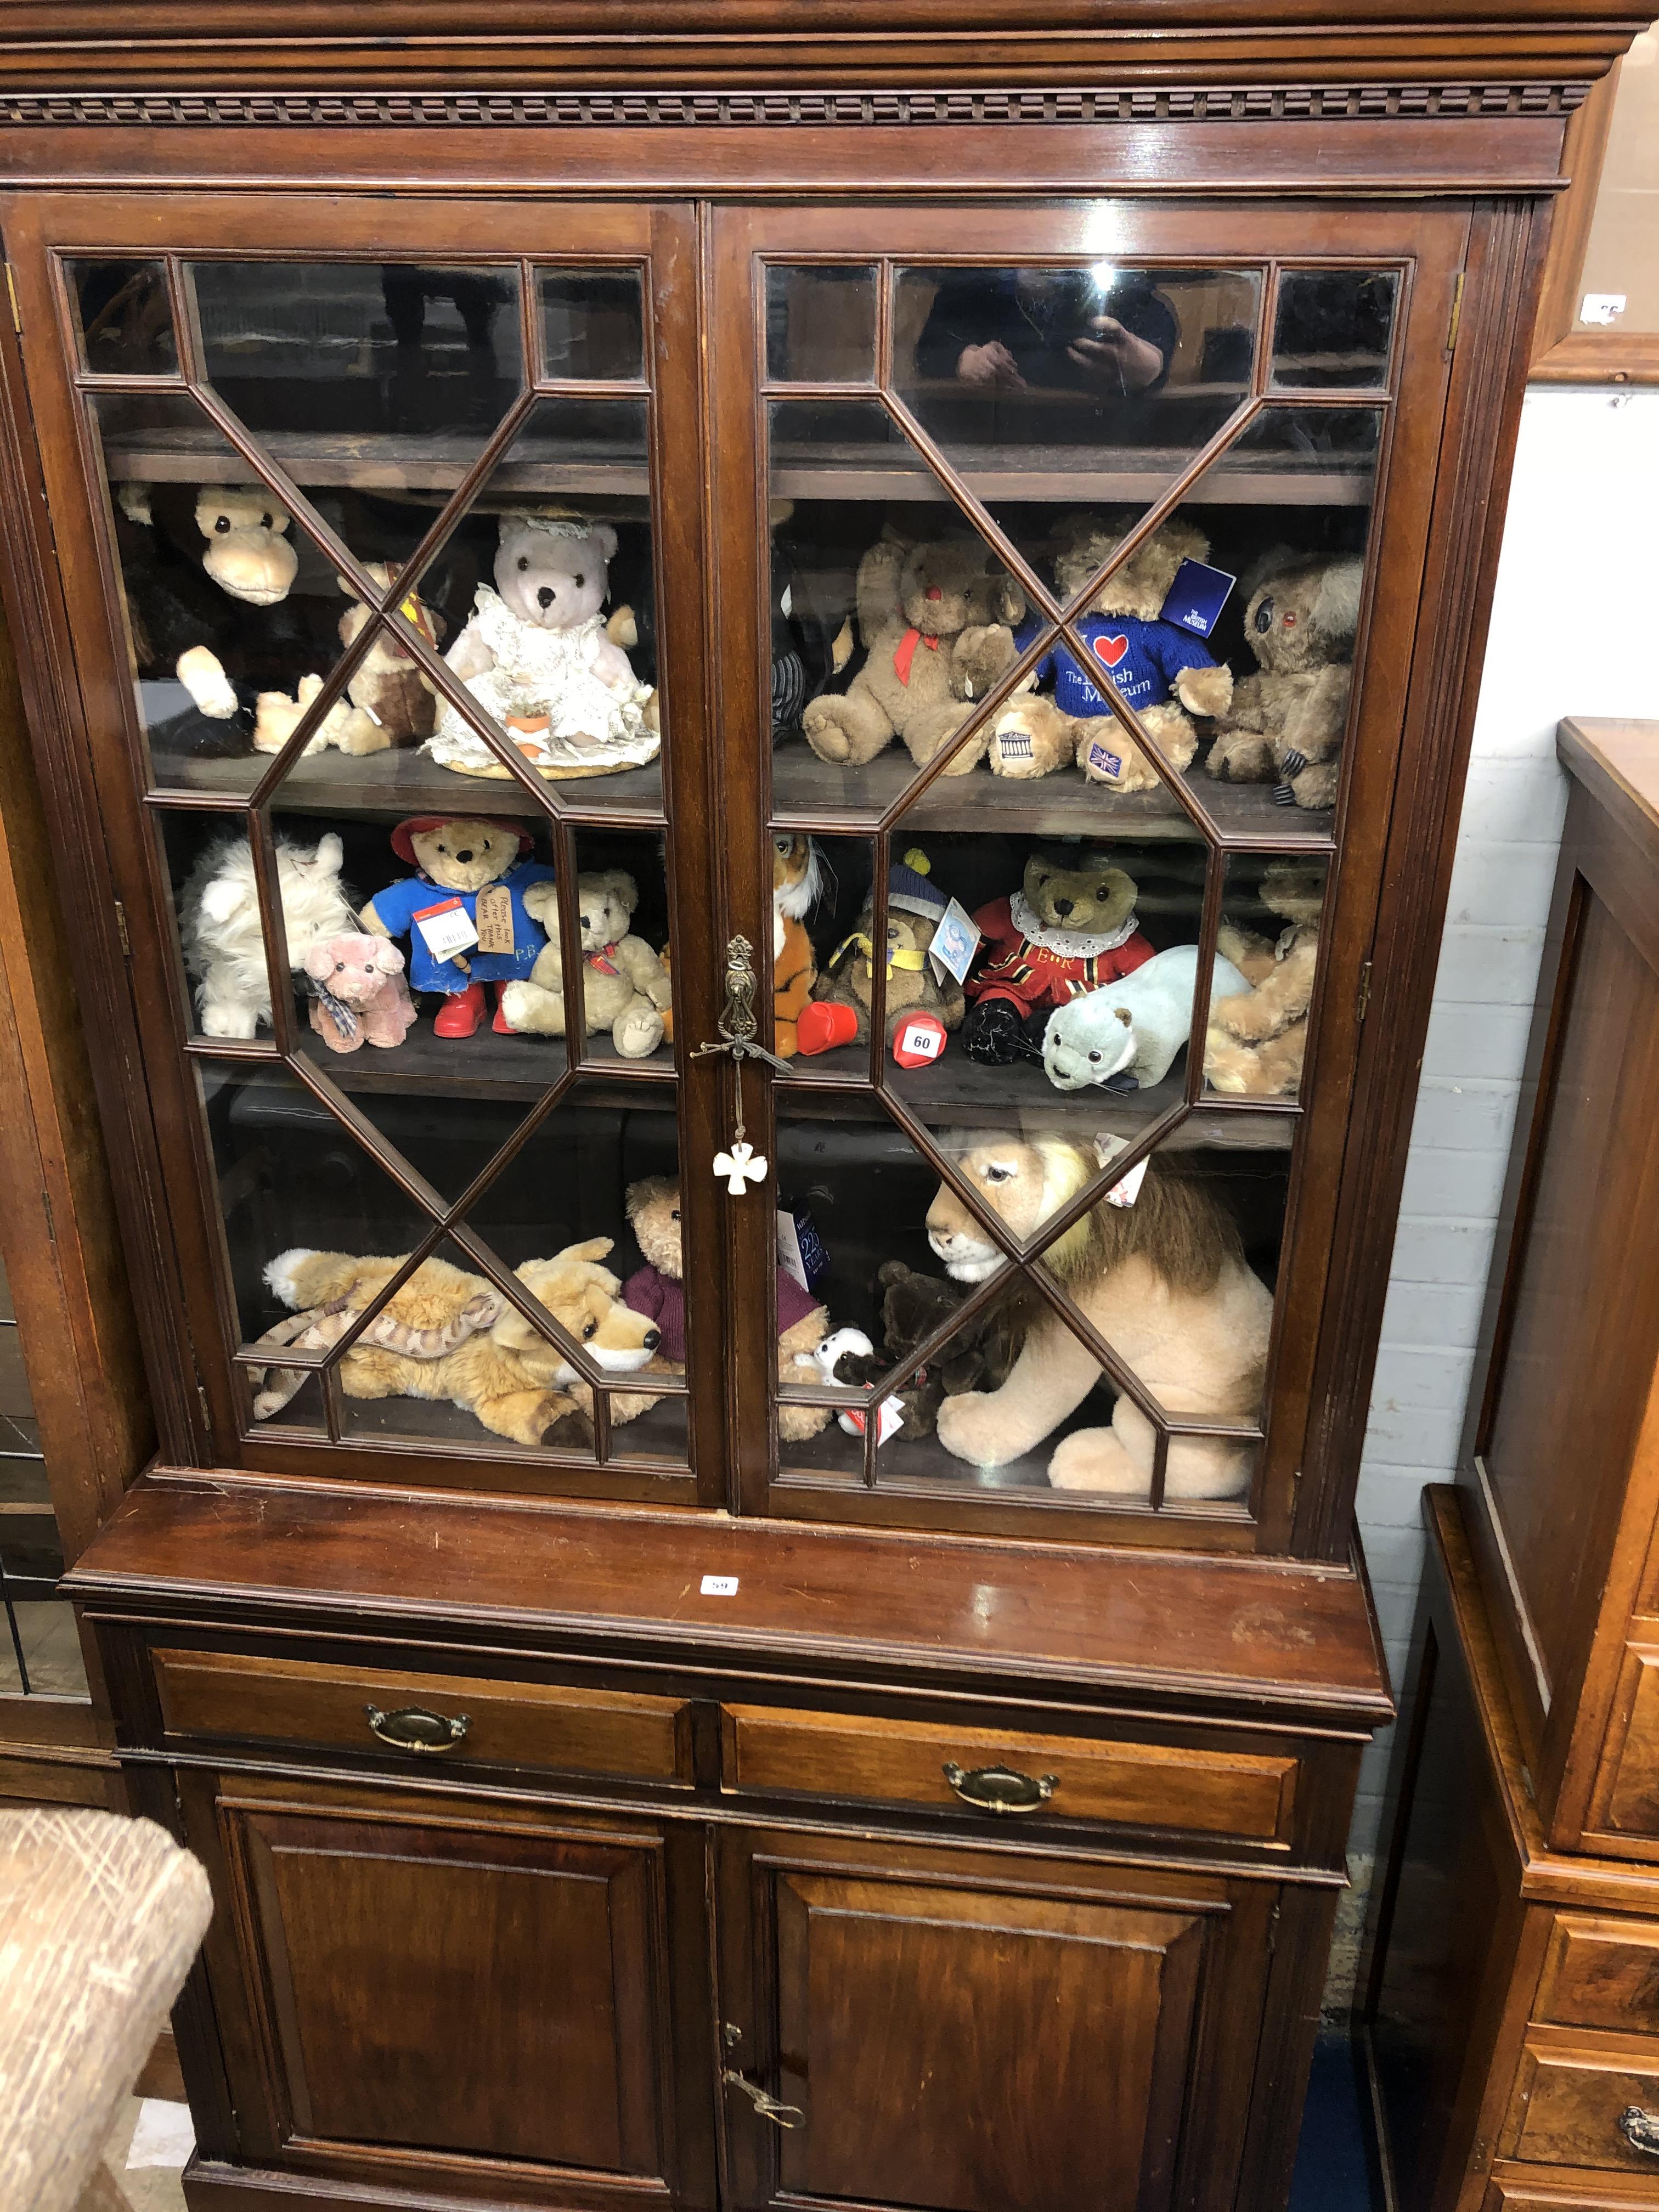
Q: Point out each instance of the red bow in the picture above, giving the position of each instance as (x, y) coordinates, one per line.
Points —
(905, 653)
(603, 963)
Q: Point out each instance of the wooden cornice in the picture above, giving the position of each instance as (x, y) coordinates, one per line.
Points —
(450, 47)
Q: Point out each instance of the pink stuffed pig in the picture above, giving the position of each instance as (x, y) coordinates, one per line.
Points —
(360, 995)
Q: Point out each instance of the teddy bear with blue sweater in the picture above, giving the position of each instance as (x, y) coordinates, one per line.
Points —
(1164, 671)
(457, 946)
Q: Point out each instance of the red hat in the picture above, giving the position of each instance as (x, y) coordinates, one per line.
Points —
(403, 835)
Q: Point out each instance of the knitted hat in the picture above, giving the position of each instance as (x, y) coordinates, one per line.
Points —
(907, 886)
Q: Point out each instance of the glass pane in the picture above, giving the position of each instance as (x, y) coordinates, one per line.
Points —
(593, 323)
(1334, 327)
(1269, 938)
(1054, 383)
(911, 611)
(557, 646)
(123, 316)
(821, 325)
(349, 371)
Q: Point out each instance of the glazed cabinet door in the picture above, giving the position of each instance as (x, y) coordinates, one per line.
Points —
(378, 523)
(411, 1991)
(1072, 577)
(905, 2026)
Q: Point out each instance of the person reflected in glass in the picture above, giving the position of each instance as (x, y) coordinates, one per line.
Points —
(1104, 331)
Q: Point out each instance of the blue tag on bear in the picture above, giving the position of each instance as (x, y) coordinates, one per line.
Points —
(1196, 598)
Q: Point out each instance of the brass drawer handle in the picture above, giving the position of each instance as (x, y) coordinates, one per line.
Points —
(999, 1788)
(413, 1729)
(1640, 2130)
(785, 2116)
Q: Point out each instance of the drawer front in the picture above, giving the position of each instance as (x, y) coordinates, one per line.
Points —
(305, 1703)
(1601, 1973)
(1235, 1793)
(1544, 2194)
(1625, 1798)
(1569, 2102)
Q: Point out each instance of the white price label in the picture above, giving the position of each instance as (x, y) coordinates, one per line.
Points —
(1127, 1192)
(446, 929)
(720, 1585)
(1602, 307)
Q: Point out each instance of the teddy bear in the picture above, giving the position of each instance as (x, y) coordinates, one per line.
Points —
(625, 987)
(359, 994)
(1125, 1036)
(1256, 1042)
(1160, 670)
(936, 621)
(223, 944)
(914, 909)
(1070, 927)
(515, 1380)
(656, 1290)
(458, 858)
(388, 684)
(536, 657)
(1285, 722)
(913, 1306)
(797, 884)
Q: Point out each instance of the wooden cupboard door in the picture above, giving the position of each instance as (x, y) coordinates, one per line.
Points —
(966, 2034)
(424, 1987)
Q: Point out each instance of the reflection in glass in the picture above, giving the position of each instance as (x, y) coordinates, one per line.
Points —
(125, 317)
(1270, 925)
(1116, 376)
(1334, 327)
(820, 325)
(320, 357)
(593, 323)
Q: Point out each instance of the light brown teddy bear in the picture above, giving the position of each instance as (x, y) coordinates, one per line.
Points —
(656, 1291)
(936, 619)
(1160, 670)
(1285, 723)
(625, 987)
(513, 1379)
(1256, 1040)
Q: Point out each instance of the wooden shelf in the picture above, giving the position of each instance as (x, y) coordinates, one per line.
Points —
(808, 793)
(952, 1091)
(403, 781)
(411, 462)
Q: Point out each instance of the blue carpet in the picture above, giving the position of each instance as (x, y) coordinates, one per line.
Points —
(1333, 2170)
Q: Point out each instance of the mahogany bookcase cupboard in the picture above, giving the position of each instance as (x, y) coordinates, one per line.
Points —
(700, 1801)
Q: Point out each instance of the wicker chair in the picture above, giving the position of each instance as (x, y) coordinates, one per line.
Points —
(99, 1918)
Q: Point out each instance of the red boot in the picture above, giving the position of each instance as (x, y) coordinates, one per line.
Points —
(502, 1026)
(460, 1013)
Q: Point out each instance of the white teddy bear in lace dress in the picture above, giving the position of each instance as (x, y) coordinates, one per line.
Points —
(535, 654)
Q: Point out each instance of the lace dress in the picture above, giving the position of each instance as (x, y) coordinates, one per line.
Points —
(590, 728)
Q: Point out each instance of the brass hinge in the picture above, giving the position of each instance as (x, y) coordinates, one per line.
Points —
(1456, 322)
(11, 293)
(121, 930)
(207, 1411)
(46, 1207)
(1364, 1003)
(1273, 1930)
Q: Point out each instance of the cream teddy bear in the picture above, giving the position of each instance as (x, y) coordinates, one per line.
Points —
(625, 986)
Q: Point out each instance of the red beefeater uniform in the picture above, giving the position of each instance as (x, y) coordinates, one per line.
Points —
(1027, 964)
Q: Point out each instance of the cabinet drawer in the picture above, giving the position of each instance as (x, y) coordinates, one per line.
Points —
(1568, 2099)
(1235, 1793)
(1601, 1973)
(303, 1702)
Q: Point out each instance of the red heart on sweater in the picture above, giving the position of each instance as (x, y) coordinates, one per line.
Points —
(1110, 650)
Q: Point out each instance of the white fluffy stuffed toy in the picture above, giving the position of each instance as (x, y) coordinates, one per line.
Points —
(1126, 1033)
(219, 921)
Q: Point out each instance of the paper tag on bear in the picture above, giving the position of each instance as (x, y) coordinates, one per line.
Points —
(1103, 761)
(1196, 598)
(446, 928)
(1128, 1189)
(890, 1419)
(790, 1256)
(955, 940)
(494, 917)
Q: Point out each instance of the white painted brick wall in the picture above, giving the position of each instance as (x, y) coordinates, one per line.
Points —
(1570, 635)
